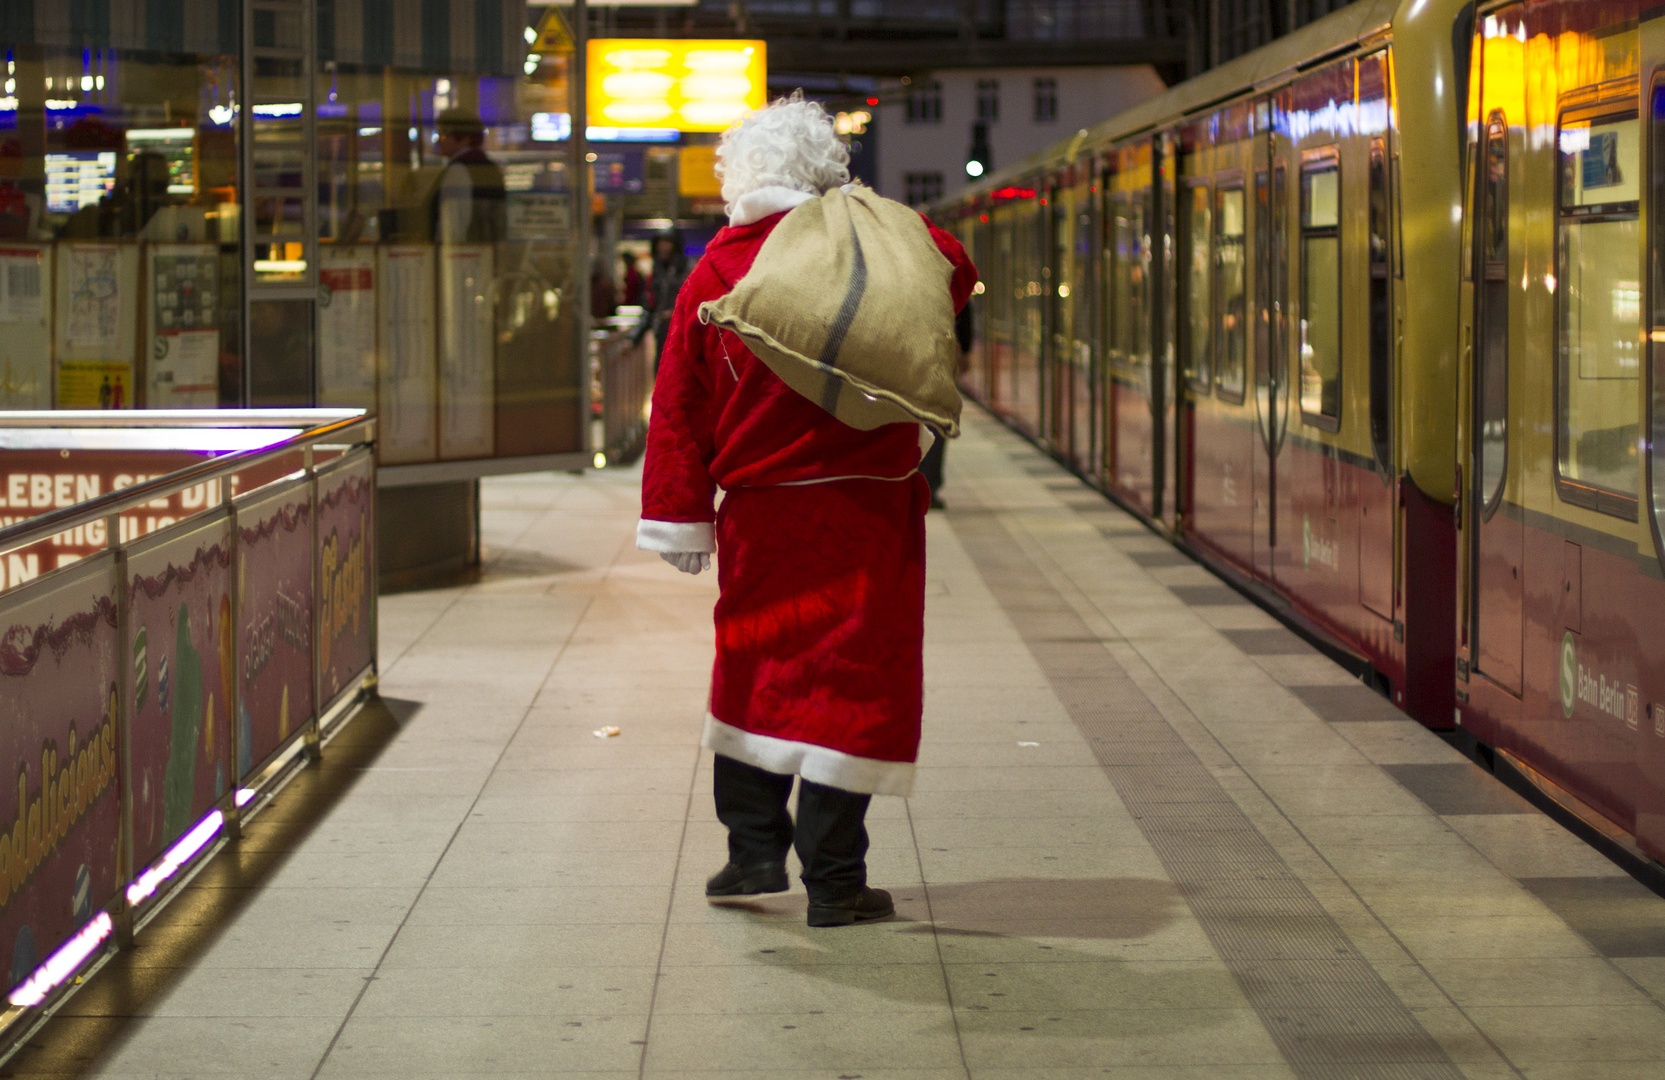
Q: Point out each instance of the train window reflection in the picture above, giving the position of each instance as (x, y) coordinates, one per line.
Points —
(1381, 313)
(1493, 373)
(1320, 319)
(1198, 309)
(1231, 327)
(1599, 304)
(1656, 246)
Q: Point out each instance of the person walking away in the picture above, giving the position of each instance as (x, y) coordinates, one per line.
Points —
(819, 622)
(930, 466)
(669, 271)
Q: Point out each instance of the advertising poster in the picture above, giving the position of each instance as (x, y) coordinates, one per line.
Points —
(33, 482)
(347, 328)
(180, 643)
(467, 374)
(406, 390)
(345, 542)
(183, 326)
(59, 808)
(96, 319)
(25, 327)
(274, 640)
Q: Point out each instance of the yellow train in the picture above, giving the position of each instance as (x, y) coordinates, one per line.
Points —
(1368, 319)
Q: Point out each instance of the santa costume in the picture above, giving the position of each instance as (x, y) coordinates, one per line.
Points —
(820, 539)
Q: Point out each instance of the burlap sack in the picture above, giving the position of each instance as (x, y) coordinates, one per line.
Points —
(848, 303)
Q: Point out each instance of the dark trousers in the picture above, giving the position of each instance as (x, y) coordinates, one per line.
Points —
(830, 835)
(930, 466)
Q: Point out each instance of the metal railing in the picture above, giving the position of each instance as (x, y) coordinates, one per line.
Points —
(157, 687)
(624, 387)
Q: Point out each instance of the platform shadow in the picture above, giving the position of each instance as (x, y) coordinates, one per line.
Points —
(1021, 957)
(98, 1018)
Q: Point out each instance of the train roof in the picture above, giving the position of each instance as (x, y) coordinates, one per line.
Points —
(1267, 66)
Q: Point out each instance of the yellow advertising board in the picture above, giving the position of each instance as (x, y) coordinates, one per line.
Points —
(696, 173)
(683, 85)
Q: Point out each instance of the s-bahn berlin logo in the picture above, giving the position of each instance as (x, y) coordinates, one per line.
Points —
(1610, 696)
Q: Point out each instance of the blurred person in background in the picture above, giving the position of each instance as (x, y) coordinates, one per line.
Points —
(669, 271)
(635, 285)
(469, 202)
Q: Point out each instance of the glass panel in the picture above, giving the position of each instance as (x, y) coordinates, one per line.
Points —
(1381, 309)
(1320, 325)
(1121, 290)
(1598, 162)
(1493, 374)
(1600, 328)
(120, 274)
(1198, 309)
(1231, 345)
(1656, 247)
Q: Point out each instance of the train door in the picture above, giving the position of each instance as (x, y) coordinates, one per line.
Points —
(1496, 538)
(1271, 286)
(1060, 385)
(1164, 359)
(1376, 510)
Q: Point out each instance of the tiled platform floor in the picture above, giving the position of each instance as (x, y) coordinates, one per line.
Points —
(1154, 835)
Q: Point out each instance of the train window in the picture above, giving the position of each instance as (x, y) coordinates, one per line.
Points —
(1598, 292)
(1381, 309)
(1656, 336)
(1199, 310)
(1231, 315)
(1492, 372)
(1320, 323)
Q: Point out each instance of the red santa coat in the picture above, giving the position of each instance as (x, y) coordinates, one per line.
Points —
(820, 538)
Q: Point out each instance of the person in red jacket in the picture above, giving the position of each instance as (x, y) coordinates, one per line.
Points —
(821, 541)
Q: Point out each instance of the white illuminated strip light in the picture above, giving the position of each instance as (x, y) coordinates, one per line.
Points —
(177, 856)
(63, 963)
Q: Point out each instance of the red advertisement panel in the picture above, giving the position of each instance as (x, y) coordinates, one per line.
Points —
(59, 810)
(274, 586)
(35, 482)
(344, 546)
(180, 638)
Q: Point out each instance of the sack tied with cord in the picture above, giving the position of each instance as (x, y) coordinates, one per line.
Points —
(849, 304)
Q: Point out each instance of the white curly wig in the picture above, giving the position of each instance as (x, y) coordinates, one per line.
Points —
(789, 143)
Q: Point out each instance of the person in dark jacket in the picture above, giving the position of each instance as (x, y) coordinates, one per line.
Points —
(930, 466)
(670, 270)
(469, 200)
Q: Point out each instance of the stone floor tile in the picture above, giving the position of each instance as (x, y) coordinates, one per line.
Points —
(399, 1046)
(852, 1042)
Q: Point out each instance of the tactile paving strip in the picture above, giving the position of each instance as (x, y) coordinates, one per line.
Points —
(1331, 1016)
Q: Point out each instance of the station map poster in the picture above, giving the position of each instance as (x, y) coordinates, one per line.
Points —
(467, 374)
(274, 589)
(347, 328)
(180, 643)
(405, 389)
(96, 305)
(181, 297)
(345, 541)
(25, 326)
(60, 808)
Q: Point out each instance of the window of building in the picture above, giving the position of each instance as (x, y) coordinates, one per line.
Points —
(1046, 100)
(1199, 312)
(1231, 316)
(925, 103)
(1598, 295)
(923, 187)
(1320, 324)
(988, 100)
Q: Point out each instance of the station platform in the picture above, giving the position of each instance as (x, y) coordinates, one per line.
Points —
(1155, 835)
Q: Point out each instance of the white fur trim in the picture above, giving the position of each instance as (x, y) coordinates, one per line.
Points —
(926, 438)
(834, 768)
(676, 536)
(759, 204)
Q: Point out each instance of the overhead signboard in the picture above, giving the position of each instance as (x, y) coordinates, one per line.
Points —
(683, 85)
